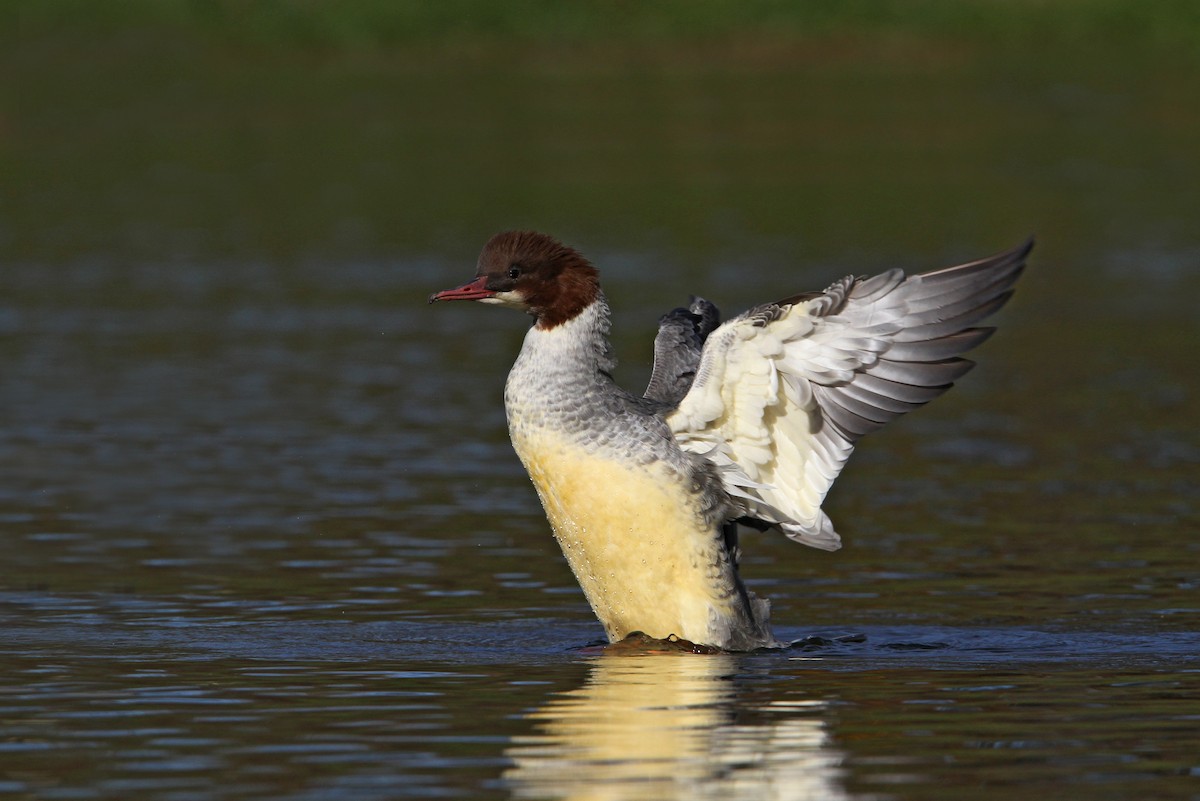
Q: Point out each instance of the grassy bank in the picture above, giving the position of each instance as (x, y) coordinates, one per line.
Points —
(172, 129)
(1163, 24)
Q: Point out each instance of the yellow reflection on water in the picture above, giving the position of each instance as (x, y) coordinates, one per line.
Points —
(663, 727)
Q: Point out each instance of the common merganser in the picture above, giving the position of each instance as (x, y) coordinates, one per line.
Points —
(746, 422)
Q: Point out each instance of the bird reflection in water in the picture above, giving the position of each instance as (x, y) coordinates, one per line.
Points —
(663, 727)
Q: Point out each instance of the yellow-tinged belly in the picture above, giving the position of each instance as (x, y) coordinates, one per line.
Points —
(644, 558)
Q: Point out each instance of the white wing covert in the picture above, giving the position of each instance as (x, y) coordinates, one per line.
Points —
(784, 391)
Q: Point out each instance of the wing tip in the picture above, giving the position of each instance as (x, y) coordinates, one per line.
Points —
(1013, 258)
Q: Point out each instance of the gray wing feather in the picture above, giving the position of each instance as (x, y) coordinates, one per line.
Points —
(904, 354)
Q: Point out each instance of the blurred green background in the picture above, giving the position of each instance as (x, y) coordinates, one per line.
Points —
(196, 129)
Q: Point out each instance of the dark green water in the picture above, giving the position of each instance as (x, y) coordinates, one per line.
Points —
(261, 531)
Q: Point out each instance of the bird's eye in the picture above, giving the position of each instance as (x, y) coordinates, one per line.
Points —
(514, 272)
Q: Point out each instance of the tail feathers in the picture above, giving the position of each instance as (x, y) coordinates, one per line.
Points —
(817, 535)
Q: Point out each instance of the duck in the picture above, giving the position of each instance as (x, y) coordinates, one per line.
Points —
(746, 422)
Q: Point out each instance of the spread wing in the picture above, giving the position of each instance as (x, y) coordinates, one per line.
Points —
(783, 392)
(677, 349)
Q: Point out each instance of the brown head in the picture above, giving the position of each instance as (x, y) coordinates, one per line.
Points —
(533, 272)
